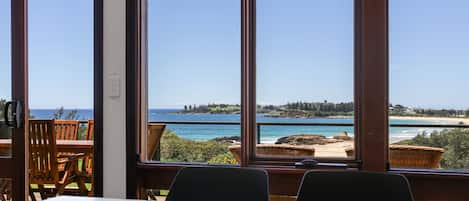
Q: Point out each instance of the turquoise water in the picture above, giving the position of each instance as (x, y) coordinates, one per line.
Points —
(269, 134)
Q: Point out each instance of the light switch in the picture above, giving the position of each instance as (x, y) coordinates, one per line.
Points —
(115, 81)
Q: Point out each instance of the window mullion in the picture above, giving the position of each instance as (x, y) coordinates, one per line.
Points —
(372, 82)
(248, 81)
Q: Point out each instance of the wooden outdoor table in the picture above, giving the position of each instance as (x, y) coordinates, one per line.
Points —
(72, 146)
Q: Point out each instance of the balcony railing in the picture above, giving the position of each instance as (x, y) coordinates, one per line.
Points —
(260, 124)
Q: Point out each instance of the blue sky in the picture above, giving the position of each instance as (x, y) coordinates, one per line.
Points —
(429, 61)
(60, 53)
(304, 52)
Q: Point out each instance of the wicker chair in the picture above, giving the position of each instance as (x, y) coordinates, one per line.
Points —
(275, 150)
(44, 161)
(408, 156)
(155, 131)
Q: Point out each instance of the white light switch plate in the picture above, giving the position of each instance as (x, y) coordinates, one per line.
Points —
(115, 81)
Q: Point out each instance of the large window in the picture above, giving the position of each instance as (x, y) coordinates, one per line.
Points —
(305, 79)
(336, 81)
(429, 112)
(193, 81)
(319, 73)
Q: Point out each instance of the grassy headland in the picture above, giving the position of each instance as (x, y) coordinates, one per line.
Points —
(325, 109)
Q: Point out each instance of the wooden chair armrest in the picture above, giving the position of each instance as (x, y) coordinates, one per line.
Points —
(63, 158)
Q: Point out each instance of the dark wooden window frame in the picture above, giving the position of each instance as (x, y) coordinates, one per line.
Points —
(370, 97)
(98, 79)
(248, 94)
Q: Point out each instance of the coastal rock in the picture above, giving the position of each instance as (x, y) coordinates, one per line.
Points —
(230, 139)
(343, 136)
(306, 139)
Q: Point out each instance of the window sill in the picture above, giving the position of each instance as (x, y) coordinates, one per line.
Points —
(431, 173)
(269, 167)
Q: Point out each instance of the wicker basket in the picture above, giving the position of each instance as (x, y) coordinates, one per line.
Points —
(407, 156)
(350, 152)
(275, 150)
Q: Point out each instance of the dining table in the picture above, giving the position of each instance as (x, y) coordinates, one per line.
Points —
(70, 146)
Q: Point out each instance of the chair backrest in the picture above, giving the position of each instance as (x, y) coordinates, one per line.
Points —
(219, 184)
(88, 163)
(66, 129)
(90, 130)
(276, 150)
(353, 185)
(155, 131)
(43, 151)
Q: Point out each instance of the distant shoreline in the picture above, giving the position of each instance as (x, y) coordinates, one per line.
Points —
(455, 120)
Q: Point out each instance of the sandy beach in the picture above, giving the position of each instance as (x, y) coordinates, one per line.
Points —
(338, 149)
(334, 150)
(453, 120)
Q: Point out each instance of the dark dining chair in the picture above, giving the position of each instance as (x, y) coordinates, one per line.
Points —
(219, 184)
(353, 185)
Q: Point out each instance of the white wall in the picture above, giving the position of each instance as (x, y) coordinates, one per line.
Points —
(114, 172)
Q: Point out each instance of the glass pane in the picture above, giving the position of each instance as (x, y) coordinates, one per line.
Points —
(193, 80)
(61, 81)
(428, 84)
(305, 77)
(5, 74)
(61, 61)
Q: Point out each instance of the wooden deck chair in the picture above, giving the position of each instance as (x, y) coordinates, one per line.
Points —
(44, 161)
(88, 163)
(66, 129)
(90, 130)
(155, 131)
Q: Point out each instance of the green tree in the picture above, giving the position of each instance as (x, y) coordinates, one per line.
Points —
(2, 105)
(60, 114)
(178, 149)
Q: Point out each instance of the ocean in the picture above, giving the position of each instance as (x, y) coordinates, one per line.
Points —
(268, 134)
